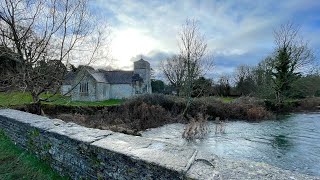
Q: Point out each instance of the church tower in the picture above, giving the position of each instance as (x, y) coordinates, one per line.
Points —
(142, 77)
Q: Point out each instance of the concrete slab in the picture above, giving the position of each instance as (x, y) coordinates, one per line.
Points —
(163, 154)
(33, 120)
(23, 117)
(204, 166)
(80, 133)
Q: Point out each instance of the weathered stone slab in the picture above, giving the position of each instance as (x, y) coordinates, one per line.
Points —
(80, 133)
(33, 120)
(204, 166)
(159, 153)
(22, 116)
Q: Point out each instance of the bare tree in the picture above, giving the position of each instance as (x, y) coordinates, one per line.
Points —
(192, 62)
(242, 72)
(292, 54)
(223, 87)
(174, 69)
(193, 49)
(43, 36)
(244, 79)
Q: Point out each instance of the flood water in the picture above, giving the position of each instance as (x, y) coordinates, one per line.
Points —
(292, 142)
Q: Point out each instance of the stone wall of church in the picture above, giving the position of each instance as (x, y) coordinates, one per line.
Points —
(65, 90)
(120, 91)
(90, 96)
(102, 91)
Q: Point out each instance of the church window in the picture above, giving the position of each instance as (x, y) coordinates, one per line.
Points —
(84, 88)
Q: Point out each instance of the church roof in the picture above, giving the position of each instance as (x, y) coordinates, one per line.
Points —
(112, 77)
(119, 77)
(98, 76)
(69, 77)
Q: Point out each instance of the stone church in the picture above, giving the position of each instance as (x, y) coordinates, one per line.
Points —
(99, 85)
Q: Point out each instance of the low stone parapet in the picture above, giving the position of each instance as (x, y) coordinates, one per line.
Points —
(86, 153)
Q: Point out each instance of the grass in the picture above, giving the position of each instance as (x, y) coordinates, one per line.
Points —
(14, 98)
(16, 163)
(226, 99)
(62, 100)
(18, 98)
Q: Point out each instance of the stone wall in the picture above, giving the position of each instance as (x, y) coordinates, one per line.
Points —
(91, 96)
(81, 152)
(65, 90)
(102, 91)
(86, 153)
(120, 91)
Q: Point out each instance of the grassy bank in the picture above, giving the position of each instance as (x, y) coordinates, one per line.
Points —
(18, 164)
(18, 98)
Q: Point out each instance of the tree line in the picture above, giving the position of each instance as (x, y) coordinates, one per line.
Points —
(285, 73)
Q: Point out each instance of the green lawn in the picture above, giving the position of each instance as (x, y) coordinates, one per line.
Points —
(18, 164)
(19, 98)
(62, 100)
(15, 98)
(226, 99)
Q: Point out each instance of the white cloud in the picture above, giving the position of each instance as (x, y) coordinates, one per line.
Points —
(232, 28)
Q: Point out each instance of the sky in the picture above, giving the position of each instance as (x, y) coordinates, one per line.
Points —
(237, 32)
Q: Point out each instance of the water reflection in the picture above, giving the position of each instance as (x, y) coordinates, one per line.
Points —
(282, 142)
(292, 142)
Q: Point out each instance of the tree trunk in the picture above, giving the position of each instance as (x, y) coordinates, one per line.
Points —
(36, 104)
(178, 91)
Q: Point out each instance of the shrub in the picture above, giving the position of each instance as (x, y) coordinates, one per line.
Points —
(154, 110)
(209, 105)
(197, 128)
(173, 104)
(150, 116)
(257, 113)
(311, 104)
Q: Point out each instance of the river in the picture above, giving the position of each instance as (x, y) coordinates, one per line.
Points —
(291, 142)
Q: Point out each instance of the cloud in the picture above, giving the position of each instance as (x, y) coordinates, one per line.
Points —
(237, 32)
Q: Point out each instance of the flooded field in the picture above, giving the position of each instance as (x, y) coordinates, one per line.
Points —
(292, 142)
